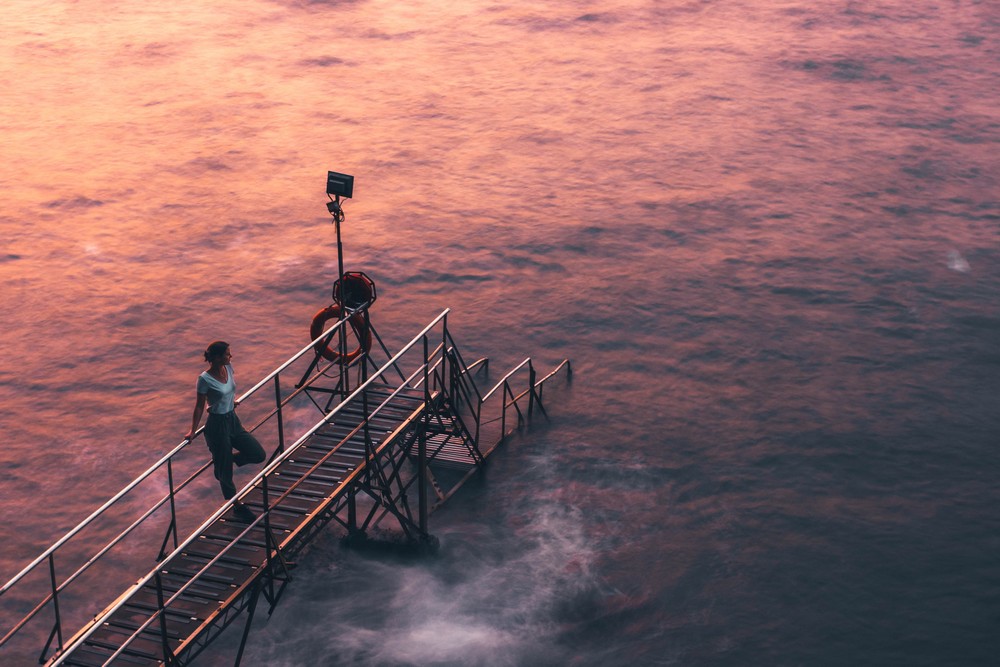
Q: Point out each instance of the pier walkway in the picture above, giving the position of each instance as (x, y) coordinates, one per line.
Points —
(391, 440)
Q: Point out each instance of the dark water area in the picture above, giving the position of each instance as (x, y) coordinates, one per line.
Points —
(765, 233)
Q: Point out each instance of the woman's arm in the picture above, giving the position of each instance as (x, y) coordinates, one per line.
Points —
(199, 408)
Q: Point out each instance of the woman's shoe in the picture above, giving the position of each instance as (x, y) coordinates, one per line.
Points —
(243, 513)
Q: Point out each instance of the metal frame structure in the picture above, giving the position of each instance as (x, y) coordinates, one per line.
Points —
(410, 421)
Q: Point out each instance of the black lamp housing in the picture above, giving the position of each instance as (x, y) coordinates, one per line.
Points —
(339, 185)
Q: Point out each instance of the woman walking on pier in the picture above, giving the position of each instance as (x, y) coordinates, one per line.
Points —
(223, 431)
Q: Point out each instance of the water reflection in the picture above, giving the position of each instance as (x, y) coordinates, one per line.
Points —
(764, 233)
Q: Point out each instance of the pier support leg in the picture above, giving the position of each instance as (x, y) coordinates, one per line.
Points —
(352, 512)
(422, 476)
(251, 608)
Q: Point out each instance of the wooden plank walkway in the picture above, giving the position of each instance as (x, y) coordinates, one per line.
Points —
(303, 491)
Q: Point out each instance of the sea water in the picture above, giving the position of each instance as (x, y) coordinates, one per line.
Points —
(765, 233)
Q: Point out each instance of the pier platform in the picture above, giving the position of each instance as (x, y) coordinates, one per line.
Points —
(392, 440)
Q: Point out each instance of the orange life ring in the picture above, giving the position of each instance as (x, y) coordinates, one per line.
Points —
(332, 312)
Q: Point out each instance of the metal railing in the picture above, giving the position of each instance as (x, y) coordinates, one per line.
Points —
(440, 367)
(259, 478)
(510, 399)
(164, 463)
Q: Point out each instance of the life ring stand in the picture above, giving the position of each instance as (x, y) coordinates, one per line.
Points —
(357, 321)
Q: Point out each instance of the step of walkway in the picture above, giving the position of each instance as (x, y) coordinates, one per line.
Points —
(317, 473)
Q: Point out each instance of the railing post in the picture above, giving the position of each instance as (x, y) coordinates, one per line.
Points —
(281, 421)
(536, 393)
(254, 597)
(57, 628)
(271, 544)
(173, 507)
(168, 656)
(479, 412)
(422, 448)
(531, 388)
(444, 332)
(352, 514)
(267, 523)
(365, 414)
(345, 371)
(172, 528)
(445, 359)
(503, 411)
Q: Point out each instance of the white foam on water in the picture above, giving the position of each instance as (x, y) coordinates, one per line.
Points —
(958, 263)
(449, 640)
(486, 600)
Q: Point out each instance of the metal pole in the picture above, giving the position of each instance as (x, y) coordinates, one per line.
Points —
(269, 544)
(281, 422)
(173, 509)
(352, 513)
(344, 372)
(531, 387)
(340, 254)
(422, 449)
(345, 377)
(503, 413)
(167, 653)
(254, 597)
(444, 357)
(55, 601)
(365, 424)
(267, 523)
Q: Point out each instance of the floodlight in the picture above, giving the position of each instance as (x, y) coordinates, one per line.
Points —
(339, 185)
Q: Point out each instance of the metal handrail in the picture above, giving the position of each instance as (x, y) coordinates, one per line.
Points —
(167, 458)
(99, 620)
(533, 391)
(505, 378)
(311, 346)
(263, 517)
(482, 361)
(162, 605)
(434, 367)
(462, 364)
(83, 524)
(564, 362)
(105, 549)
(142, 477)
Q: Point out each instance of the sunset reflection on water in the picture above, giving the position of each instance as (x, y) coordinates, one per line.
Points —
(764, 232)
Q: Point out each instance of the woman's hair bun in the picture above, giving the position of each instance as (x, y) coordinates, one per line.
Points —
(215, 350)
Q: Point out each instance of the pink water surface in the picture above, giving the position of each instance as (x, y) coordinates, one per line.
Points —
(756, 227)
